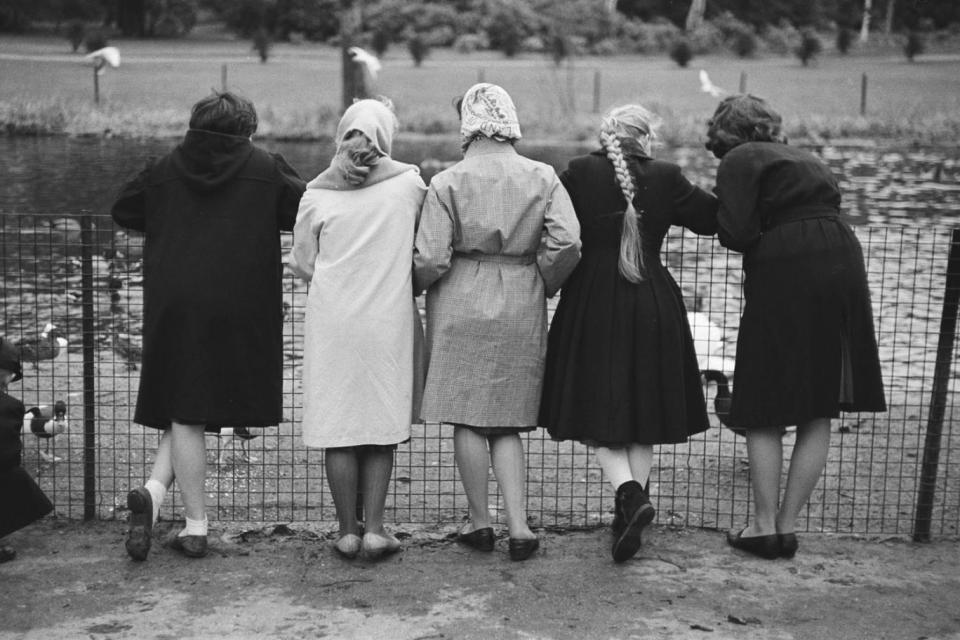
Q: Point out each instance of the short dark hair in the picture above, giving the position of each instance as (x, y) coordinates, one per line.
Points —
(224, 112)
(739, 119)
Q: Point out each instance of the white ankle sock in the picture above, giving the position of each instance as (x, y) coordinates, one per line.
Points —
(195, 527)
(157, 493)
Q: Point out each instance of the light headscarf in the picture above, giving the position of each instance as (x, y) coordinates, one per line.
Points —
(373, 119)
(488, 110)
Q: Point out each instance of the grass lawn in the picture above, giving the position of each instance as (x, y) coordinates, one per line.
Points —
(46, 89)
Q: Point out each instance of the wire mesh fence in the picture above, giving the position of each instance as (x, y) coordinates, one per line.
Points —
(80, 280)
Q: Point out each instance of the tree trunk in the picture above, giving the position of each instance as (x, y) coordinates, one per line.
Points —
(865, 25)
(695, 15)
(888, 23)
(351, 74)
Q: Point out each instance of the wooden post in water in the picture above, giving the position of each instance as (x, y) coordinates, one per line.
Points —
(863, 95)
(88, 340)
(743, 82)
(96, 84)
(223, 77)
(938, 397)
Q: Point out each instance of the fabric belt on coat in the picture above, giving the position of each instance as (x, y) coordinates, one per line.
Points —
(498, 258)
(801, 213)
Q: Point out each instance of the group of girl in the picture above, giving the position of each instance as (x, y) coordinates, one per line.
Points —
(489, 240)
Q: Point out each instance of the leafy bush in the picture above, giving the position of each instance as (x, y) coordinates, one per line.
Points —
(470, 42)
(706, 38)
(261, 44)
(380, 41)
(914, 45)
(418, 48)
(744, 44)
(75, 32)
(844, 40)
(681, 52)
(781, 39)
(606, 47)
(648, 37)
(95, 40)
(809, 47)
(169, 26)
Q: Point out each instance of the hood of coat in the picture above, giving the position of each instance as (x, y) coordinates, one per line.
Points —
(206, 160)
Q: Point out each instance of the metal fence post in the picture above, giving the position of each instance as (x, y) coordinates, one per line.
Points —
(938, 397)
(89, 382)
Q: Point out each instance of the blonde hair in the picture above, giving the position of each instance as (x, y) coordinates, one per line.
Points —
(636, 126)
(357, 152)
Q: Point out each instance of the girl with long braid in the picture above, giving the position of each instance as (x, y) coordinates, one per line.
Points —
(622, 373)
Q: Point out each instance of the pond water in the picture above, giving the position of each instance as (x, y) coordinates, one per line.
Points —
(61, 175)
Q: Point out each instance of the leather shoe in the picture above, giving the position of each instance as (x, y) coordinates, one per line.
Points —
(348, 545)
(190, 546)
(523, 548)
(479, 539)
(140, 525)
(764, 546)
(376, 545)
(788, 544)
(629, 540)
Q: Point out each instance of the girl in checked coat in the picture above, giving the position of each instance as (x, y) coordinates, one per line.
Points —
(497, 237)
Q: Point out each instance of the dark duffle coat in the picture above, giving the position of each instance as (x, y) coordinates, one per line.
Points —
(621, 365)
(212, 211)
(806, 347)
(21, 499)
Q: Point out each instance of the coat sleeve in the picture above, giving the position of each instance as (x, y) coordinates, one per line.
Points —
(129, 210)
(306, 236)
(559, 250)
(288, 197)
(738, 188)
(433, 247)
(694, 208)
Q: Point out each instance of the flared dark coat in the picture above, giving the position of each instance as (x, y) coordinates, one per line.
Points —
(21, 499)
(621, 366)
(212, 211)
(806, 347)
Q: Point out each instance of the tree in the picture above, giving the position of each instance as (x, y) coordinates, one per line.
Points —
(865, 24)
(888, 21)
(695, 16)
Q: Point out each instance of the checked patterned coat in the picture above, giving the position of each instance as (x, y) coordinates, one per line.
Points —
(498, 235)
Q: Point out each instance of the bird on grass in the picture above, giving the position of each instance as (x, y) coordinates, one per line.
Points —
(45, 345)
(708, 87)
(45, 422)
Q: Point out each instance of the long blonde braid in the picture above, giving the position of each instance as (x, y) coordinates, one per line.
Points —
(636, 123)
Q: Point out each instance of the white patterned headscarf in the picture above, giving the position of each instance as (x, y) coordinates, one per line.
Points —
(488, 110)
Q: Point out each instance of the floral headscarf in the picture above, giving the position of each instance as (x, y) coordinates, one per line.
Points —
(488, 110)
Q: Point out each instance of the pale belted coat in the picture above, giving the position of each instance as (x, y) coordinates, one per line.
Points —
(498, 235)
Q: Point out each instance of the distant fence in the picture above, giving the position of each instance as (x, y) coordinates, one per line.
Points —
(894, 473)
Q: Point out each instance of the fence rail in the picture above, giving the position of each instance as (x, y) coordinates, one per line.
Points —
(84, 276)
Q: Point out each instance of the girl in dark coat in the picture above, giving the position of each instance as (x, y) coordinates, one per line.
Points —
(212, 211)
(806, 349)
(621, 372)
(21, 499)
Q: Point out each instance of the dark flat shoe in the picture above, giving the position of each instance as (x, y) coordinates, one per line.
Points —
(140, 527)
(523, 548)
(764, 546)
(629, 540)
(479, 539)
(788, 544)
(190, 546)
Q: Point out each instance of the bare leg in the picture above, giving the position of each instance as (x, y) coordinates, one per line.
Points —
(765, 451)
(470, 452)
(188, 450)
(375, 468)
(641, 461)
(806, 465)
(615, 464)
(510, 469)
(162, 470)
(342, 466)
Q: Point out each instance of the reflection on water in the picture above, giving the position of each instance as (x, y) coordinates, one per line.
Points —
(64, 175)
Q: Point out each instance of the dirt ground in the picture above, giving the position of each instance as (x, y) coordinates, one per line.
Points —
(74, 580)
